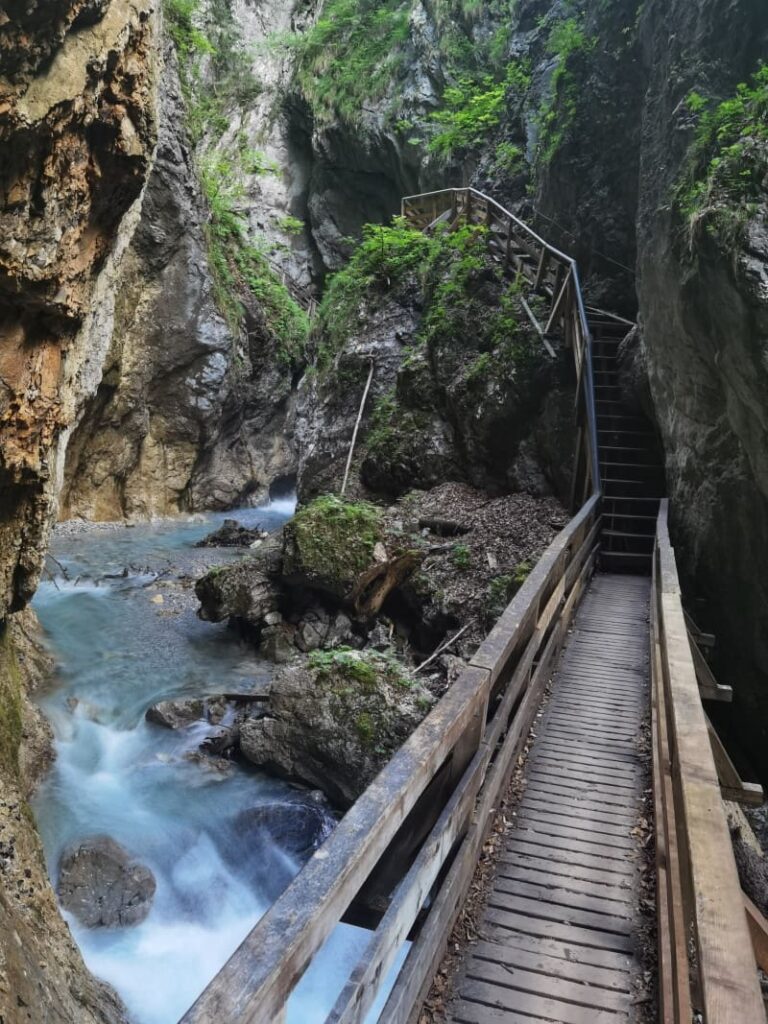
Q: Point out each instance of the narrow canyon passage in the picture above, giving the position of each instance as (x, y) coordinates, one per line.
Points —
(124, 638)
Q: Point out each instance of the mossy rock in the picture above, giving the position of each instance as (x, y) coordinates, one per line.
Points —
(330, 542)
(336, 722)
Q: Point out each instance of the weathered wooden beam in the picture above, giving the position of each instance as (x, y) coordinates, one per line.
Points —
(256, 982)
(559, 303)
(758, 929)
(674, 990)
(709, 687)
(702, 639)
(731, 785)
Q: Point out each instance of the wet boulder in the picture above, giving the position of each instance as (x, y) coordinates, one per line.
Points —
(231, 534)
(176, 714)
(297, 827)
(103, 886)
(247, 591)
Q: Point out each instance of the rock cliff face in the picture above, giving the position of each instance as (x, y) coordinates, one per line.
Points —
(703, 300)
(162, 388)
(76, 128)
(77, 135)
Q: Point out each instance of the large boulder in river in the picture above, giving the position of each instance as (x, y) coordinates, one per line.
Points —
(103, 886)
(248, 591)
(333, 723)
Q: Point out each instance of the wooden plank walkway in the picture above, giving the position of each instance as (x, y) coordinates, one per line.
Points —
(560, 931)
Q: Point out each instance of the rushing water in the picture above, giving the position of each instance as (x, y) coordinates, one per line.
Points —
(123, 643)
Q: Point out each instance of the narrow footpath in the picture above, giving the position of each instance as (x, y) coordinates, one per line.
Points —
(562, 932)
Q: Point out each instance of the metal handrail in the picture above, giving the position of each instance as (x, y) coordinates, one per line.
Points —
(451, 195)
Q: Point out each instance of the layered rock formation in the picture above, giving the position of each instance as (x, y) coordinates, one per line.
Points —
(76, 127)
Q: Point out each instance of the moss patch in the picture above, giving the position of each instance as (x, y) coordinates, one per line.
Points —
(10, 706)
(373, 692)
(332, 539)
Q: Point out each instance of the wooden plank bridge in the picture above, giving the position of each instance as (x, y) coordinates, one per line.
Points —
(599, 626)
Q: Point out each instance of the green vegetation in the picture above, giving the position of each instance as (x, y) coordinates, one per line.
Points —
(359, 53)
(334, 538)
(291, 225)
(502, 589)
(213, 34)
(351, 55)
(461, 556)
(10, 706)
(473, 111)
(567, 40)
(211, 40)
(384, 258)
(374, 693)
(470, 333)
(365, 668)
(726, 172)
(394, 430)
(509, 159)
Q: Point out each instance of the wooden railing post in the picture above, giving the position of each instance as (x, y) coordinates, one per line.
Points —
(700, 878)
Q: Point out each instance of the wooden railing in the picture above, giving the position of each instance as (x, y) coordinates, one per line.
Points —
(549, 274)
(452, 772)
(706, 959)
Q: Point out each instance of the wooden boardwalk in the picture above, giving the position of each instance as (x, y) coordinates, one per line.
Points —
(560, 930)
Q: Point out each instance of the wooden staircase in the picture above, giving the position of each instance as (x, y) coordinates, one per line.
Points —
(630, 458)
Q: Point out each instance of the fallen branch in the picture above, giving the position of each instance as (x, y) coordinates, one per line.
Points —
(58, 564)
(443, 647)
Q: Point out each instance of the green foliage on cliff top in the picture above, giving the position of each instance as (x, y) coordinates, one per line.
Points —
(208, 37)
(726, 171)
(349, 57)
(334, 538)
(10, 706)
(217, 79)
(359, 52)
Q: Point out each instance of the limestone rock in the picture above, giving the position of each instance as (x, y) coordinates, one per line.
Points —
(103, 886)
(176, 714)
(333, 724)
(232, 535)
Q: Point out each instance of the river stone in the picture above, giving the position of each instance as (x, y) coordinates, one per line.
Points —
(232, 535)
(103, 886)
(298, 828)
(176, 714)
